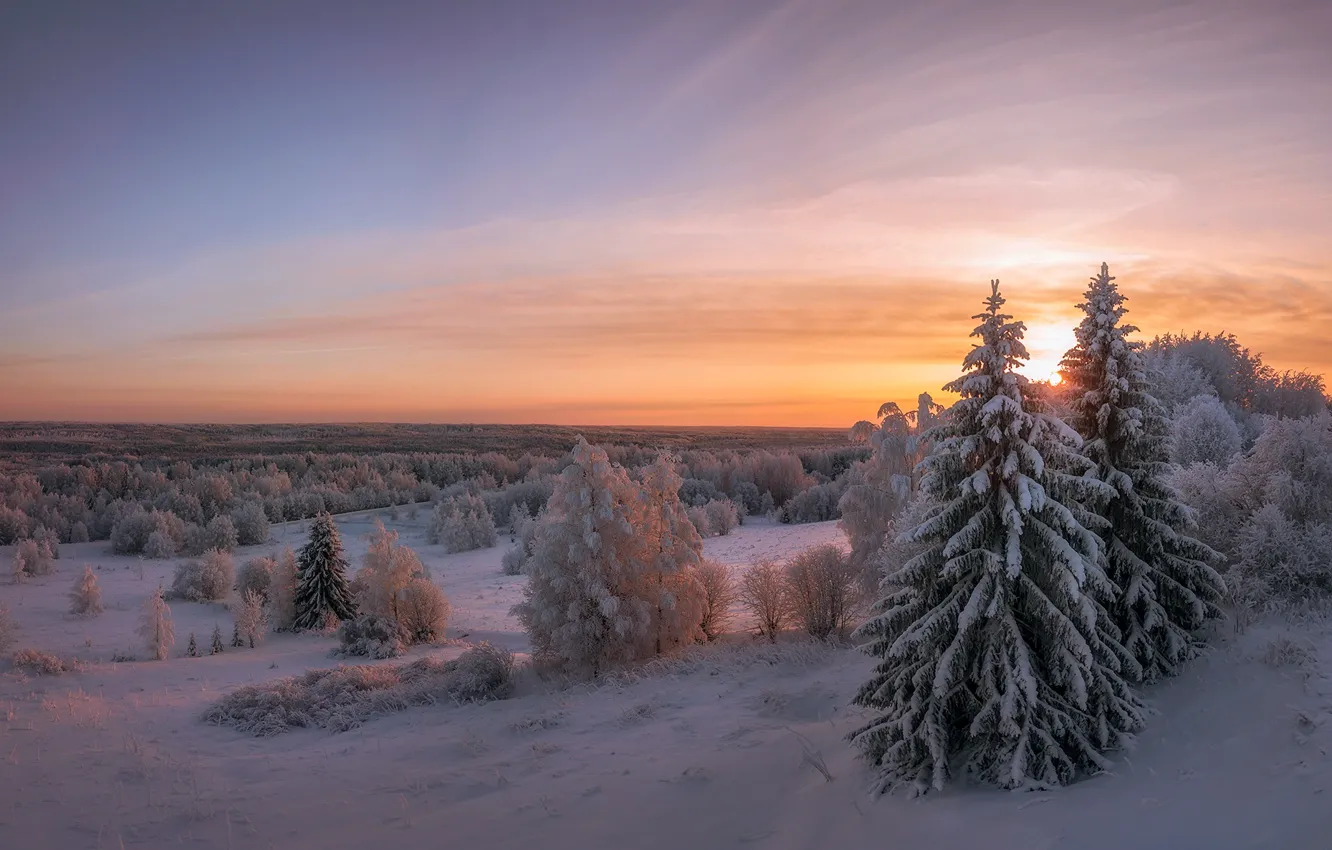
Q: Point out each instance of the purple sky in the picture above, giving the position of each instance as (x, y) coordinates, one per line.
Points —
(634, 212)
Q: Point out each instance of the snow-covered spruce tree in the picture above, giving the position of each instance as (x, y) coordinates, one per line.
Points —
(1167, 587)
(85, 599)
(322, 591)
(155, 627)
(216, 645)
(996, 656)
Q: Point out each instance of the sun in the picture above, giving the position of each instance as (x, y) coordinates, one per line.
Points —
(1055, 379)
(1046, 343)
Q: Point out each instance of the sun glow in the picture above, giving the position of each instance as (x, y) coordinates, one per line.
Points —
(1047, 344)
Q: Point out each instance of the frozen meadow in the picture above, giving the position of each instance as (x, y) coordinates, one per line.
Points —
(738, 744)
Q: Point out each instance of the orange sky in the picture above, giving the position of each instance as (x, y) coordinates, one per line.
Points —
(786, 217)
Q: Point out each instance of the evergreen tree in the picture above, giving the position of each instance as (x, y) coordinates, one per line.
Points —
(1168, 586)
(322, 590)
(217, 640)
(192, 651)
(236, 639)
(996, 655)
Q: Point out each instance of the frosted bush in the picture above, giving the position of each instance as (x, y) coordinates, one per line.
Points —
(701, 521)
(131, 533)
(387, 569)
(1279, 561)
(85, 599)
(159, 546)
(823, 590)
(32, 558)
(461, 523)
(345, 697)
(763, 592)
(37, 663)
(719, 591)
(816, 504)
(372, 635)
(1204, 432)
(423, 611)
(47, 539)
(256, 576)
(206, 580)
(251, 524)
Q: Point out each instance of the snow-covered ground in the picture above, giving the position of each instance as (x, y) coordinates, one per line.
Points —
(718, 753)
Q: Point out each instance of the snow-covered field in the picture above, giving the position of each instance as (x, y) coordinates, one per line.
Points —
(719, 753)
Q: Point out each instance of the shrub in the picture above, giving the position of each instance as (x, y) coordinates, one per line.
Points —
(47, 539)
(1281, 562)
(251, 524)
(822, 587)
(78, 532)
(85, 599)
(372, 635)
(462, 523)
(130, 533)
(344, 697)
(719, 594)
(1204, 432)
(8, 629)
(256, 576)
(159, 546)
(205, 580)
(387, 570)
(763, 592)
(516, 556)
(37, 663)
(423, 611)
(32, 558)
(817, 504)
(220, 534)
(702, 523)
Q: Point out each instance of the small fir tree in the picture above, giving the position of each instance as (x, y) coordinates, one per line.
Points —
(995, 653)
(192, 651)
(85, 599)
(322, 590)
(155, 627)
(217, 640)
(236, 639)
(1168, 588)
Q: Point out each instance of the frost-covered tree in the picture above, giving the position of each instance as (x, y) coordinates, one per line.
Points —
(251, 524)
(85, 599)
(282, 591)
(604, 587)
(322, 591)
(1203, 431)
(1168, 587)
(996, 655)
(192, 650)
(251, 619)
(155, 627)
(878, 489)
(462, 523)
(388, 568)
(216, 646)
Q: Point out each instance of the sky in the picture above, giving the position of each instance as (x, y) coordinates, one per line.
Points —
(604, 212)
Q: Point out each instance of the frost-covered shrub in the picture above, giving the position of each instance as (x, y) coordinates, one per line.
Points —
(8, 630)
(717, 518)
(32, 558)
(220, 534)
(764, 593)
(823, 589)
(13, 525)
(696, 492)
(155, 627)
(85, 599)
(387, 569)
(47, 539)
(206, 580)
(747, 497)
(515, 557)
(255, 576)
(423, 611)
(525, 498)
(817, 504)
(372, 635)
(251, 524)
(462, 523)
(159, 546)
(131, 533)
(37, 663)
(78, 532)
(1280, 561)
(344, 697)
(1203, 431)
(719, 590)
